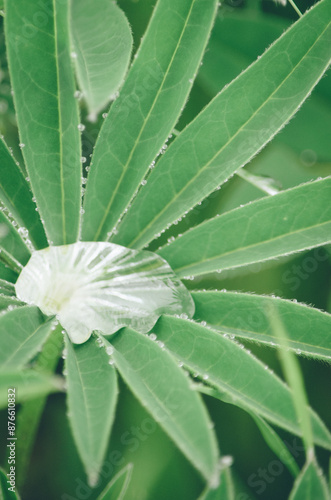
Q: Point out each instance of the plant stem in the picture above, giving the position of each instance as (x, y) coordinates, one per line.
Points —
(29, 416)
(297, 10)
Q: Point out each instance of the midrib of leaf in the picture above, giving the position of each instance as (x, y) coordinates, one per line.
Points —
(197, 175)
(150, 391)
(22, 344)
(183, 443)
(125, 167)
(210, 259)
(88, 420)
(240, 395)
(64, 232)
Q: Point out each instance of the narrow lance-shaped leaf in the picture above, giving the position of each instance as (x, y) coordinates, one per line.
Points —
(92, 396)
(16, 196)
(118, 486)
(233, 371)
(23, 330)
(102, 42)
(47, 113)
(11, 241)
(293, 220)
(164, 390)
(6, 273)
(7, 288)
(276, 444)
(310, 484)
(28, 384)
(143, 116)
(294, 378)
(232, 128)
(244, 315)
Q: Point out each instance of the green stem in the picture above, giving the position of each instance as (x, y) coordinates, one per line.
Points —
(29, 416)
(297, 10)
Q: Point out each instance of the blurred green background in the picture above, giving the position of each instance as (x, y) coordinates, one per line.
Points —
(301, 152)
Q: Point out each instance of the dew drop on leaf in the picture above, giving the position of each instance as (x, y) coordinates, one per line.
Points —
(102, 286)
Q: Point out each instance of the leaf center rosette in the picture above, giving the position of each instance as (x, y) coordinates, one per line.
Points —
(102, 286)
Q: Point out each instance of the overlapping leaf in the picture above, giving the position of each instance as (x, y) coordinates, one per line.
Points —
(102, 42)
(47, 112)
(293, 220)
(164, 390)
(23, 330)
(233, 371)
(245, 316)
(144, 115)
(92, 396)
(17, 197)
(232, 128)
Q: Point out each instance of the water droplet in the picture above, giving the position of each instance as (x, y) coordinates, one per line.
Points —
(152, 336)
(83, 159)
(22, 231)
(104, 115)
(81, 127)
(109, 350)
(205, 377)
(74, 55)
(21, 145)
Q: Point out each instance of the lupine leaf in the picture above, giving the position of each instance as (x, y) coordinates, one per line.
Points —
(242, 378)
(16, 196)
(143, 116)
(244, 315)
(293, 220)
(23, 330)
(118, 486)
(164, 390)
(102, 42)
(47, 113)
(92, 396)
(28, 384)
(310, 484)
(232, 128)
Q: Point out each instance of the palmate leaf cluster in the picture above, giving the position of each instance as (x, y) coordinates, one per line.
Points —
(143, 179)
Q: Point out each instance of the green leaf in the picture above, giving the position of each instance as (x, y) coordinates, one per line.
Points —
(23, 331)
(118, 486)
(244, 315)
(237, 123)
(164, 390)
(294, 378)
(225, 490)
(144, 115)
(102, 42)
(243, 379)
(16, 195)
(310, 484)
(47, 113)
(92, 396)
(28, 384)
(6, 273)
(293, 220)
(5, 493)
(276, 444)
(7, 288)
(11, 241)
